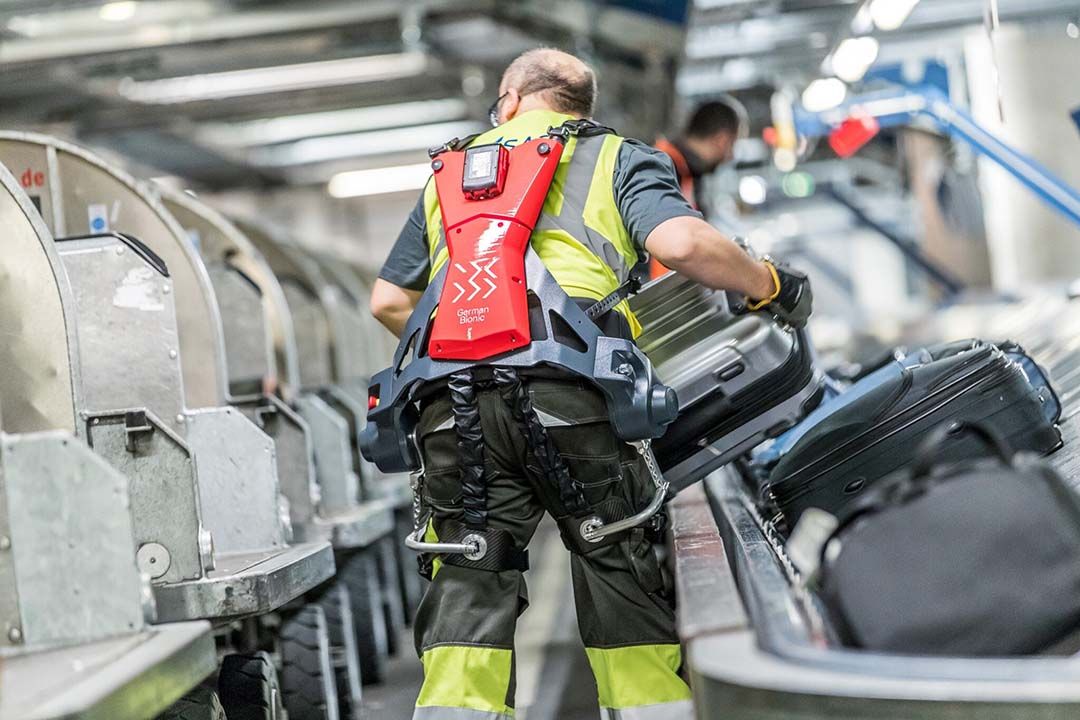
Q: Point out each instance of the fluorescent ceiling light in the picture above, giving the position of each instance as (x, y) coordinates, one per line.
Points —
(90, 22)
(862, 23)
(853, 57)
(891, 14)
(753, 189)
(824, 94)
(379, 142)
(785, 159)
(256, 81)
(379, 181)
(118, 11)
(290, 128)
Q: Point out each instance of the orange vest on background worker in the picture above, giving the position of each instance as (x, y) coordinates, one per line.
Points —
(686, 184)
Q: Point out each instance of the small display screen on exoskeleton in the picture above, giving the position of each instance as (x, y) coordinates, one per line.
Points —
(485, 171)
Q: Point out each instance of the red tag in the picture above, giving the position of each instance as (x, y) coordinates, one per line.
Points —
(852, 134)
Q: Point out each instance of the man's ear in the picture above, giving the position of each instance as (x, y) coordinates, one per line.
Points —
(725, 148)
(509, 107)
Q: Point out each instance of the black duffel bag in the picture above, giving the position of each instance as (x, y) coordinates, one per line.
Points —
(976, 558)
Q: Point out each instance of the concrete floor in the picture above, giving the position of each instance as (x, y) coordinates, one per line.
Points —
(553, 677)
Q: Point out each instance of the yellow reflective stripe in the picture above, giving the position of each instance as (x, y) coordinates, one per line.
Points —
(554, 201)
(467, 676)
(637, 675)
(432, 217)
(601, 213)
(524, 127)
(439, 260)
(580, 272)
(431, 536)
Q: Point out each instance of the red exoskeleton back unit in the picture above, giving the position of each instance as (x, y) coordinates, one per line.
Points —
(490, 206)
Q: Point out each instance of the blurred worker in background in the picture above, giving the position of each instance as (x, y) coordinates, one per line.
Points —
(612, 201)
(707, 143)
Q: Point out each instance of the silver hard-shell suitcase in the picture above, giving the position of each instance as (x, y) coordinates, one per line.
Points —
(741, 378)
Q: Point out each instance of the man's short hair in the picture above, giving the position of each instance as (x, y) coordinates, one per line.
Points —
(567, 83)
(712, 118)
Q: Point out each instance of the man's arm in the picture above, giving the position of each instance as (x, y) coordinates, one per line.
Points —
(404, 275)
(662, 223)
(691, 246)
(392, 305)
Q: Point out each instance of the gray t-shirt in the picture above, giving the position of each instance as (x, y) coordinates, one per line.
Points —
(646, 192)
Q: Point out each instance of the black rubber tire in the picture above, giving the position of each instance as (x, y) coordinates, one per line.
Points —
(412, 585)
(334, 600)
(248, 687)
(389, 583)
(359, 573)
(307, 678)
(202, 703)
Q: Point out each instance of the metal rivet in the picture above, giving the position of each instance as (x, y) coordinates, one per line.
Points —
(179, 418)
(437, 165)
(15, 635)
(166, 289)
(5, 542)
(153, 559)
(120, 250)
(543, 149)
(172, 354)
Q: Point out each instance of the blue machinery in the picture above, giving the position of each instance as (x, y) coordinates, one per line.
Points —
(902, 105)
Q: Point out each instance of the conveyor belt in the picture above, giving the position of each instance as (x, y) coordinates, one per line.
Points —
(752, 641)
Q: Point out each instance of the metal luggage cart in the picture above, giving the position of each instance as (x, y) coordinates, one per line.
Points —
(154, 395)
(74, 610)
(259, 331)
(358, 322)
(264, 381)
(332, 334)
(211, 525)
(330, 331)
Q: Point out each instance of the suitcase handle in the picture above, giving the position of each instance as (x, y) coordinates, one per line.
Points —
(927, 454)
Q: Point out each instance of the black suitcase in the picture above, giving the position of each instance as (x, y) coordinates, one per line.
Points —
(876, 435)
(969, 559)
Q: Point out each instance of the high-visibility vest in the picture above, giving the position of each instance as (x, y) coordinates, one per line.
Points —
(682, 168)
(580, 236)
(686, 184)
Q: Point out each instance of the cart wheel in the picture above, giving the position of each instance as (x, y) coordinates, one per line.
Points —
(358, 572)
(335, 602)
(307, 678)
(201, 703)
(248, 686)
(391, 589)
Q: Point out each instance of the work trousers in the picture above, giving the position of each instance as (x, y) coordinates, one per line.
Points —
(465, 623)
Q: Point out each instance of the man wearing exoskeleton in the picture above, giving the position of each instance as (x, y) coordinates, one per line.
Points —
(517, 388)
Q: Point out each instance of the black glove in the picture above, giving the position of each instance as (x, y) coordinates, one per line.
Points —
(793, 300)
